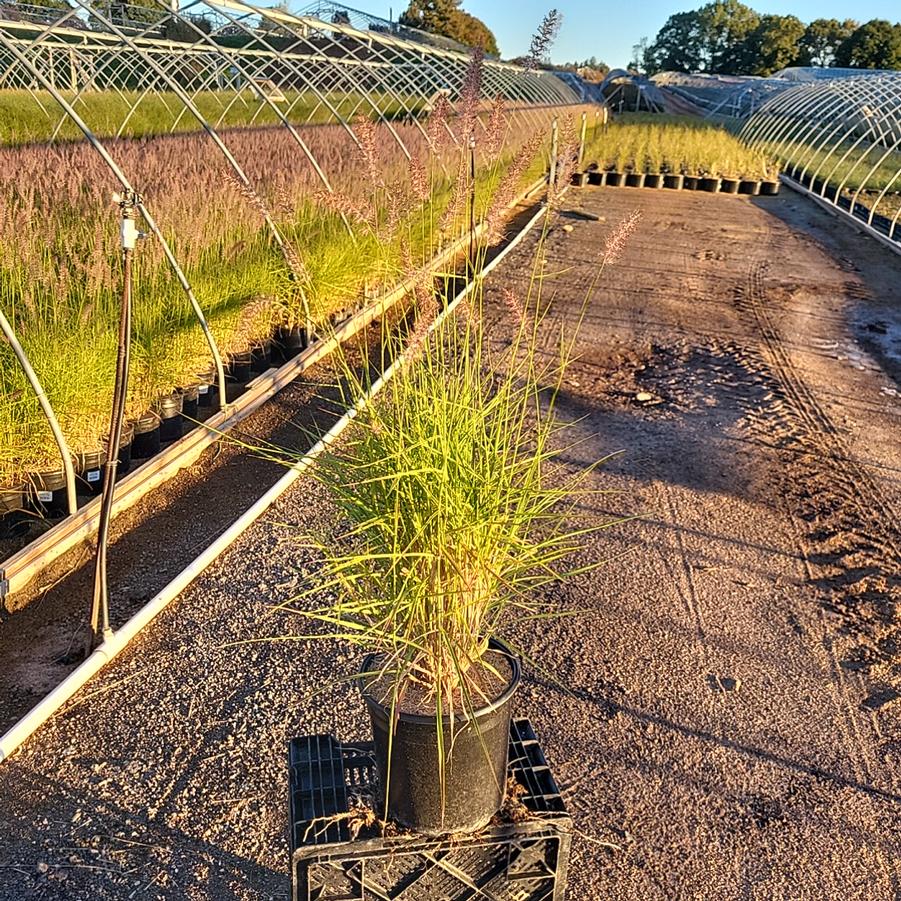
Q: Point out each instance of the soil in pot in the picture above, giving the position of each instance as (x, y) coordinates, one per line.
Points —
(673, 181)
(147, 436)
(46, 493)
(171, 423)
(653, 180)
(635, 179)
(614, 179)
(475, 770)
(729, 185)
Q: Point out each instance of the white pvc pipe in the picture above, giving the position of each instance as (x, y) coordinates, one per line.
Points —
(110, 648)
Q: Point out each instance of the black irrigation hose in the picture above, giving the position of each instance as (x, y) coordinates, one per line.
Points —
(100, 626)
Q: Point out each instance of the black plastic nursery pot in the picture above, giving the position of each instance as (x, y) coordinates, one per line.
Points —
(709, 184)
(172, 426)
(261, 358)
(238, 370)
(147, 440)
(749, 186)
(673, 181)
(653, 180)
(89, 471)
(207, 389)
(690, 182)
(12, 509)
(289, 342)
(635, 179)
(190, 403)
(475, 768)
(769, 188)
(46, 493)
(729, 185)
(596, 177)
(615, 179)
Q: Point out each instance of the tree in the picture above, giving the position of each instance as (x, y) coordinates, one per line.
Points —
(773, 45)
(445, 17)
(639, 56)
(874, 45)
(725, 25)
(822, 39)
(677, 45)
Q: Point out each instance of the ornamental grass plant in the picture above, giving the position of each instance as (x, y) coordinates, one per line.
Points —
(457, 512)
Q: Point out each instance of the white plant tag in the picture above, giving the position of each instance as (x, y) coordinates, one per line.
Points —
(94, 475)
(45, 496)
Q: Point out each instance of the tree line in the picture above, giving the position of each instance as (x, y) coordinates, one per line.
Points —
(728, 37)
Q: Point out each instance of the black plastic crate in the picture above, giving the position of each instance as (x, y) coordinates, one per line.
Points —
(507, 861)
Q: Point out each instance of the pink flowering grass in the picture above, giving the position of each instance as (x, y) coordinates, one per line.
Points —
(59, 267)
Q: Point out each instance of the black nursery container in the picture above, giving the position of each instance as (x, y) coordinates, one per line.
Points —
(614, 179)
(769, 188)
(207, 389)
(12, 509)
(289, 342)
(749, 186)
(475, 770)
(709, 183)
(690, 183)
(46, 493)
(172, 426)
(261, 358)
(239, 368)
(89, 467)
(673, 181)
(147, 440)
(635, 179)
(653, 180)
(190, 403)
(729, 185)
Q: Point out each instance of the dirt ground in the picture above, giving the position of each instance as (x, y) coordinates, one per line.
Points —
(731, 724)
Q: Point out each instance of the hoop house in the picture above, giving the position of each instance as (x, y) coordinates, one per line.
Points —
(250, 136)
(840, 140)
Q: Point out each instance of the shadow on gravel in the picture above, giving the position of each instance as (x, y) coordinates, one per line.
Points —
(112, 853)
(608, 708)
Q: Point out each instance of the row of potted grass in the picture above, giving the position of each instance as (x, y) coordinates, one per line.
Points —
(59, 271)
(661, 146)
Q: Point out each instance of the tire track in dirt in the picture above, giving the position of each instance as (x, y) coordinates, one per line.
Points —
(840, 505)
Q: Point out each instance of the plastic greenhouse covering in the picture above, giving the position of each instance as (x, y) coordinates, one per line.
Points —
(244, 133)
(840, 139)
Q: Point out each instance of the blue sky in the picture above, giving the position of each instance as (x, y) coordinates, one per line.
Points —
(608, 30)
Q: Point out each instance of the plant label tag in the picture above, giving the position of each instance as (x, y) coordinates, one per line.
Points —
(45, 496)
(94, 475)
(203, 389)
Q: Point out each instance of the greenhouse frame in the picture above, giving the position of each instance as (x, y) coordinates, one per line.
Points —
(180, 108)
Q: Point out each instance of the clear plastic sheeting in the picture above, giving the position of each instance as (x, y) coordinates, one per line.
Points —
(839, 139)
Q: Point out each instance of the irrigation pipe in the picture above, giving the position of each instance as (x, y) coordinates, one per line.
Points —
(120, 639)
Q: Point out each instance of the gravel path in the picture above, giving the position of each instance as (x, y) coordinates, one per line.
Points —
(732, 719)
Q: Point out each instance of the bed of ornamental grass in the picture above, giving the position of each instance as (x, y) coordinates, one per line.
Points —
(33, 116)
(59, 266)
(847, 165)
(641, 142)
